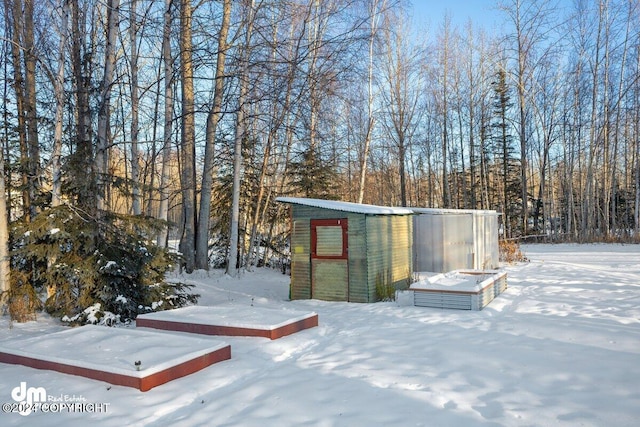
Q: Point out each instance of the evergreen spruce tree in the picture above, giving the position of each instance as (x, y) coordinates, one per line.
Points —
(312, 177)
(504, 152)
(90, 270)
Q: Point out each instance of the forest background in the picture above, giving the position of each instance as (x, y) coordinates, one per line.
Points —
(183, 120)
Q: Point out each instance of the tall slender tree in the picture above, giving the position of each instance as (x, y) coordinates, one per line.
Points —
(5, 272)
(376, 8)
(58, 90)
(504, 159)
(188, 135)
(103, 132)
(167, 61)
(136, 205)
(401, 96)
(215, 113)
(240, 136)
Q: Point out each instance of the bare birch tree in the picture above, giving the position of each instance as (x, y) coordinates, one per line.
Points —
(102, 153)
(136, 205)
(376, 7)
(14, 19)
(445, 57)
(58, 90)
(187, 143)
(215, 113)
(5, 272)
(240, 135)
(636, 138)
(83, 172)
(167, 60)
(401, 96)
(31, 104)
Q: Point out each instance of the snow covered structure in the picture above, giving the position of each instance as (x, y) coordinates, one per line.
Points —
(453, 239)
(459, 289)
(343, 251)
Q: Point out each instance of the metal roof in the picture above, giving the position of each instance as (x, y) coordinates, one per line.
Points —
(346, 206)
(443, 211)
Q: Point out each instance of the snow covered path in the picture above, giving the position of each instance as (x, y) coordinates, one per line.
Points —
(561, 347)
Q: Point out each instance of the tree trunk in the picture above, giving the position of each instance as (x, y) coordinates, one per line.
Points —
(5, 272)
(617, 121)
(202, 238)
(187, 243)
(30, 105)
(58, 87)
(103, 134)
(636, 139)
(472, 125)
(314, 99)
(83, 170)
(163, 208)
(589, 203)
(13, 14)
(373, 16)
(446, 190)
(136, 205)
(232, 258)
(280, 117)
(522, 125)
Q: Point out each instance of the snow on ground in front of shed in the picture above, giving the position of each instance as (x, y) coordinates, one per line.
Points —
(560, 347)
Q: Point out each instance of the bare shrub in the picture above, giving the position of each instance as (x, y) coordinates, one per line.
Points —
(510, 251)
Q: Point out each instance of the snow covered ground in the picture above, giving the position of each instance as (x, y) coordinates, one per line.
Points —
(560, 347)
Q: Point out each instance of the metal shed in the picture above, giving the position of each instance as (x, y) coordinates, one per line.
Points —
(342, 251)
(454, 239)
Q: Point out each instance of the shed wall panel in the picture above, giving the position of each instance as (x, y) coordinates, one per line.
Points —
(457, 242)
(329, 279)
(453, 240)
(358, 286)
(300, 258)
(389, 254)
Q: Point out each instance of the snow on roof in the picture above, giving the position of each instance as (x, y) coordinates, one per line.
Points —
(442, 211)
(346, 206)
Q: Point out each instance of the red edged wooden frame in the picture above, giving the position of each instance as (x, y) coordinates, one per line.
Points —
(340, 222)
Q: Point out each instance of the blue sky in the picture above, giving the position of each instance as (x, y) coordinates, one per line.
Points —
(430, 13)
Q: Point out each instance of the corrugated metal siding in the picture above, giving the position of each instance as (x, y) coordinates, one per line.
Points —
(451, 241)
(389, 252)
(489, 255)
(427, 242)
(329, 240)
(358, 287)
(500, 284)
(442, 300)
(458, 242)
(482, 299)
(329, 279)
(300, 257)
